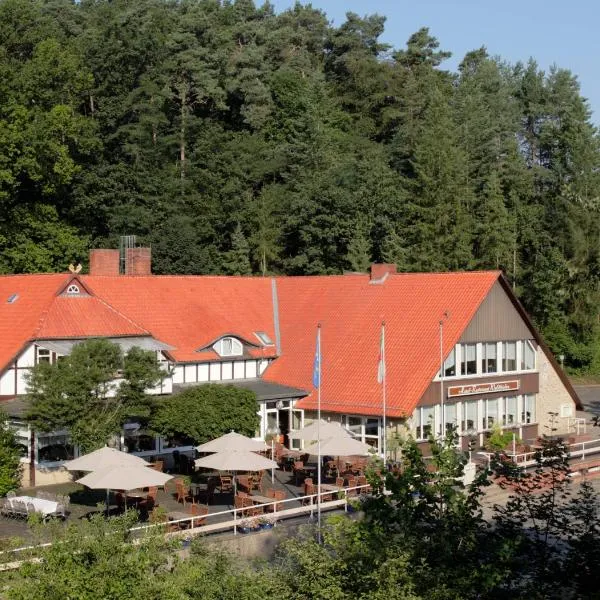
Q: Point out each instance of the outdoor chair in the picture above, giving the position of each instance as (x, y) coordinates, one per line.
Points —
(226, 483)
(243, 483)
(200, 510)
(298, 470)
(362, 480)
(352, 484)
(251, 509)
(276, 495)
(309, 490)
(184, 493)
(61, 512)
(339, 481)
(158, 465)
(255, 480)
(239, 503)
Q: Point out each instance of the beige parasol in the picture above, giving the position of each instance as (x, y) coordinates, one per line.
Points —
(325, 429)
(102, 458)
(233, 441)
(340, 446)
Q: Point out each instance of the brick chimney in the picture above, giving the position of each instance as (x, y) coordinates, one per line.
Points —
(380, 271)
(138, 261)
(104, 262)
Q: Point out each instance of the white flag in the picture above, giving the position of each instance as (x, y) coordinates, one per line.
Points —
(381, 364)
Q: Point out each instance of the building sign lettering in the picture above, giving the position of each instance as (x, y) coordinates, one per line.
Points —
(483, 388)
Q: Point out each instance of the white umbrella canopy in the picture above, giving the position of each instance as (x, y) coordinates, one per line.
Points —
(233, 441)
(236, 461)
(339, 446)
(325, 429)
(103, 458)
(124, 478)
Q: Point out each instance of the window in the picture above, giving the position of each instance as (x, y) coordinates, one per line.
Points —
(509, 410)
(53, 447)
(42, 355)
(450, 417)
(490, 413)
(354, 425)
(228, 346)
(489, 363)
(528, 414)
(509, 356)
(264, 338)
(424, 417)
(527, 356)
(450, 364)
(469, 413)
(365, 429)
(177, 442)
(73, 289)
(138, 440)
(469, 359)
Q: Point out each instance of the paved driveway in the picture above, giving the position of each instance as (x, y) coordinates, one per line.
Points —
(590, 397)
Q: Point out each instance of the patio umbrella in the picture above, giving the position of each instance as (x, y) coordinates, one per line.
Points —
(102, 458)
(340, 446)
(236, 461)
(325, 429)
(124, 478)
(233, 441)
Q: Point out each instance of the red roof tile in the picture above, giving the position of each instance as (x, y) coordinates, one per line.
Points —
(350, 311)
(191, 312)
(19, 320)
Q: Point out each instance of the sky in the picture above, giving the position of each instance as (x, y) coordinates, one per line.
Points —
(558, 32)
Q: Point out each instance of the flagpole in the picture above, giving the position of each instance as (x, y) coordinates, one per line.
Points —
(319, 434)
(384, 395)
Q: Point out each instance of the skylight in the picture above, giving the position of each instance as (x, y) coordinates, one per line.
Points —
(13, 298)
(264, 338)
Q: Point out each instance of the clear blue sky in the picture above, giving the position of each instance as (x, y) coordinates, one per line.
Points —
(551, 31)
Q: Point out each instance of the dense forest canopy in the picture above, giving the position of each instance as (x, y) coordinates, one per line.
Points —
(237, 140)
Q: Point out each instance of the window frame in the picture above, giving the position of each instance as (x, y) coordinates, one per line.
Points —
(237, 348)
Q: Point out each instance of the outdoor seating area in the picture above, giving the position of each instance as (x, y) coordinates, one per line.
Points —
(43, 504)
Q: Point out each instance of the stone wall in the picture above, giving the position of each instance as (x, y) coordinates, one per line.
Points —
(551, 397)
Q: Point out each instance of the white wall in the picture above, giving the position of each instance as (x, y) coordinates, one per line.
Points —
(7, 383)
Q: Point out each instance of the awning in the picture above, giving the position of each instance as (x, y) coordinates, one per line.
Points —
(64, 347)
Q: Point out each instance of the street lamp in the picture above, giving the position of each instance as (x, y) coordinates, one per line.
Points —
(561, 357)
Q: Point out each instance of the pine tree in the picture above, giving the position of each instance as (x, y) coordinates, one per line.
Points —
(237, 259)
(359, 250)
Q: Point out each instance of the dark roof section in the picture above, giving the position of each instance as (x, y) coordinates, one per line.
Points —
(538, 337)
(264, 390)
(15, 406)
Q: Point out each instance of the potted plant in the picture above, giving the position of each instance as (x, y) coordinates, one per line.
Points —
(267, 521)
(244, 526)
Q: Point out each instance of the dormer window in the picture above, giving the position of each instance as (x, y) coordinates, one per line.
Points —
(228, 346)
(73, 289)
(264, 338)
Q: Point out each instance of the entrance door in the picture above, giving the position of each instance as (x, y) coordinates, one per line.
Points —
(284, 424)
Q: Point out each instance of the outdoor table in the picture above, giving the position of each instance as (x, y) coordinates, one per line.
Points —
(262, 499)
(41, 505)
(177, 515)
(331, 488)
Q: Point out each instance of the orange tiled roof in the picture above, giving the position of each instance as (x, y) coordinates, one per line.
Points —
(350, 310)
(19, 320)
(190, 312)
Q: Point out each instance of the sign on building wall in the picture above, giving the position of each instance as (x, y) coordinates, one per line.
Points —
(483, 388)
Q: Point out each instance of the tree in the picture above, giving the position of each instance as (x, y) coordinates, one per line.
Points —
(237, 260)
(206, 412)
(359, 251)
(10, 458)
(79, 392)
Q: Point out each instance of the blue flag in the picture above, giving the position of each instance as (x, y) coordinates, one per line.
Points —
(317, 363)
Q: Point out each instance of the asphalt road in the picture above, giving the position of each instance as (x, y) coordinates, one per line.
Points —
(590, 397)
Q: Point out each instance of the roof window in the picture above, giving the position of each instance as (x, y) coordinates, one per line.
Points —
(264, 338)
(12, 298)
(228, 346)
(73, 289)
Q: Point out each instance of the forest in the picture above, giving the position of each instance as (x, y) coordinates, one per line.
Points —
(236, 140)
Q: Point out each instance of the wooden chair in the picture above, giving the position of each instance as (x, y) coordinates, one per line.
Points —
(298, 470)
(226, 483)
(309, 490)
(352, 484)
(184, 493)
(362, 480)
(339, 481)
(200, 510)
(276, 495)
(239, 502)
(244, 483)
(251, 509)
